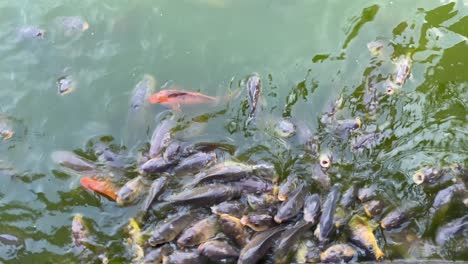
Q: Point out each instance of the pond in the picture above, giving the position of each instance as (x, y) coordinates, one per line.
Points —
(309, 55)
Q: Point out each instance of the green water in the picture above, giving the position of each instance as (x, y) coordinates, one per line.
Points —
(307, 53)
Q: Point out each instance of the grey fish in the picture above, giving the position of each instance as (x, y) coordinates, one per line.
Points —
(141, 93)
(7, 239)
(312, 208)
(72, 161)
(449, 230)
(73, 23)
(79, 230)
(258, 222)
(234, 208)
(156, 165)
(289, 237)
(394, 219)
(195, 162)
(328, 212)
(225, 171)
(254, 88)
(285, 128)
(156, 255)
(233, 228)
(286, 187)
(259, 245)
(156, 188)
(254, 184)
(199, 233)
(170, 229)
(130, 191)
(320, 176)
(403, 70)
(367, 193)
(205, 195)
(6, 127)
(290, 208)
(445, 196)
(66, 84)
(339, 253)
(31, 32)
(181, 257)
(161, 137)
(432, 177)
(218, 250)
(373, 207)
(349, 196)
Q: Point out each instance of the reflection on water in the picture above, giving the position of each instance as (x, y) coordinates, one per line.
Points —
(309, 54)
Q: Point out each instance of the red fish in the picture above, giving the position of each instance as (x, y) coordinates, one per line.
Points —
(175, 98)
(103, 187)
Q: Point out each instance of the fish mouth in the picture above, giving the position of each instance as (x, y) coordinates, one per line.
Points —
(418, 178)
(85, 26)
(7, 135)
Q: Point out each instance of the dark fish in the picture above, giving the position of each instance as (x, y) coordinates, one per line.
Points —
(199, 233)
(286, 187)
(449, 230)
(195, 162)
(156, 255)
(361, 234)
(72, 161)
(339, 253)
(141, 93)
(320, 176)
(205, 195)
(156, 165)
(107, 156)
(394, 219)
(367, 193)
(349, 196)
(433, 177)
(262, 201)
(259, 245)
(7, 239)
(288, 239)
(254, 88)
(258, 222)
(218, 250)
(234, 208)
(345, 127)
(233, 228)
(330, 110)
(65, 85)
(181, 257)
(325, 160)
(130, 191)
(341, 217)
(373, 208)
(225, 171)
(157, 187)
(254, 184)
(312, 208)
(328, 212)
(173, 152)
(367, 141)
(290, 208)
(170, 229)
(445, 196)
(161, 137)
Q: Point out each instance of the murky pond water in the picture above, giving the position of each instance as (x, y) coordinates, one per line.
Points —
(307, 53)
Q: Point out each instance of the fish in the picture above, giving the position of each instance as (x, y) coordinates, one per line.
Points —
(361, 234)
(258, 222)
(176, 98)
(373, 208)
(290, 208)
(156, 165)
(141, 93)
(234, 208)
(394, 219)
(181, 257)
(155, 191)
(367, 193)
(225, 171)
(31, 32)
(349, 196)
(218, 250)
(170, 229)
(319, 175)
(199, 233)
(233, 228)
(254, 184)
(196, 162)
(205, 195)
(328, 211)
(104, 187)
(156, 255)
(72, 24)
(312, 208)
(66, 85)
(375, 47)
(254, 89)
(339, 253)
(433, 177)
(403, 71)
(8, 239)
(325, 160)
(135, 241)
(80, 231)
(449, 230)
(445, 196)
(288, 239)
(130, 191)
(259, 245)
(285, 128)
(72, 161)
(286, 187)
(161, 137)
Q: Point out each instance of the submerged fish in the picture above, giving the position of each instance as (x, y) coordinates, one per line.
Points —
(176, 98)
(155, 191)
(259, 245)
(339, 253)
(225, 171)
(72, 24)
(285, 128)
(79, 230)
(328, 211)
(156, 165)
(403, 65)
(161, 137)
(170, 229)
(6, 127)
(312, 208)
(218, 250)
(195, 162)
(290, 208)
(66, 85)
(31, 32)
(286, 187)
(142, 92)
(72, 161)
(104, 187)
(361, 234)
(394, 219)
(288, 239)
(199, 233)
(233, 228)
(254, 88)
(258, 222)
(130, 191)
(451, 229)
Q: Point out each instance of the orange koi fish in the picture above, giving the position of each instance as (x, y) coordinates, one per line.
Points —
(175, 98)
(103, 187)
